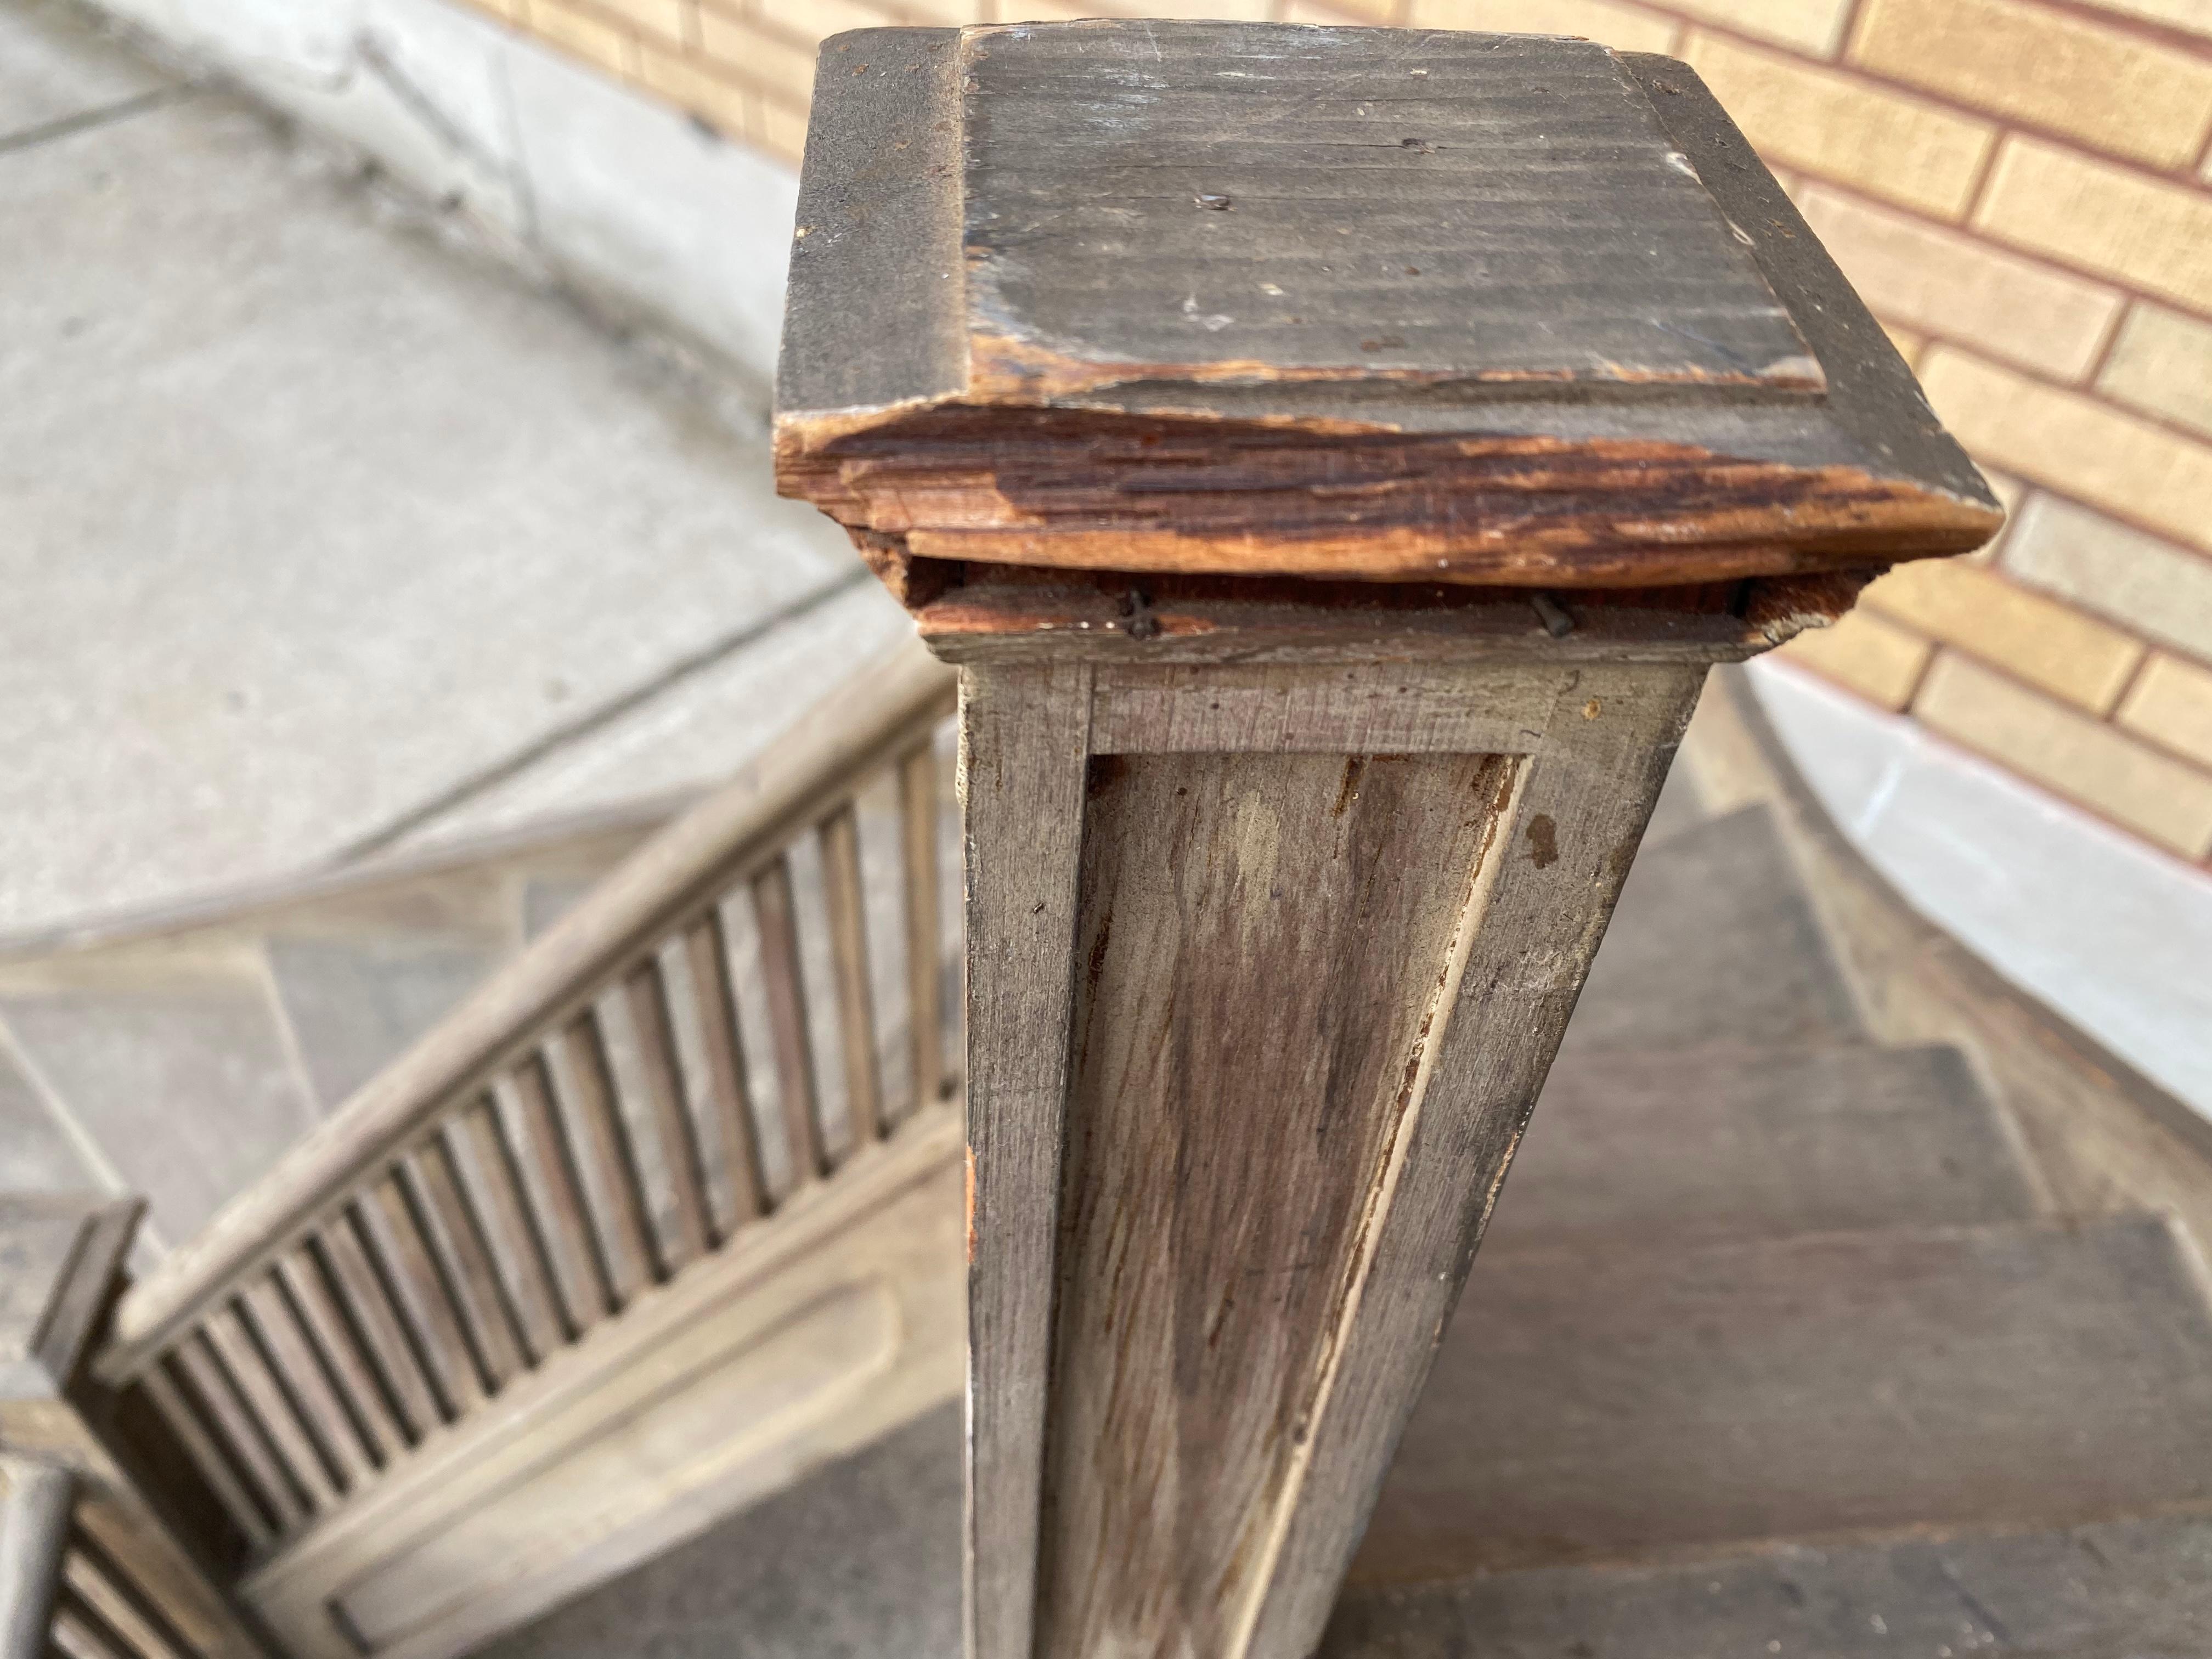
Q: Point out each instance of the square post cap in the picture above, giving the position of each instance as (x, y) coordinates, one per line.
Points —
(1238, 302)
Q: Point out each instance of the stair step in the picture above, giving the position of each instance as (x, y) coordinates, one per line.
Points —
(1615, 1404)
(1758, 1141)
(1712, 942)
(2121, 1589)
(356, 1003)
(181, 1078)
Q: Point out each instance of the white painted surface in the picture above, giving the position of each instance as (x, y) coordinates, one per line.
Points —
(2110, 931)
(607, 188)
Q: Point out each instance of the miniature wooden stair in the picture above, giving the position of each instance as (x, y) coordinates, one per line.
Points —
(1783, 1349)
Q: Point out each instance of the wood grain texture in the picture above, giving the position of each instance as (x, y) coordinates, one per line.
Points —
(522, 1265)
(1581, 809)
(1271, 299)
(586, 1287)
(846, 900)
(354, 1376)
(370, 1306)
(1263, 939)
(1024, 736)
(776, 910)
(706, 951)
(924, 943)
(681, 1165)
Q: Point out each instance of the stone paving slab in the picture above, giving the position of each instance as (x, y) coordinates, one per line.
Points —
(53, 70)
(314, 518)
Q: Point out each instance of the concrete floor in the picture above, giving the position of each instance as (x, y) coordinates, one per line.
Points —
(325, 531)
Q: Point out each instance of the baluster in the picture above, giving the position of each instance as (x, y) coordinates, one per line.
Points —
(379, 1321)
(925, 965)
(241, 1435)
(419, 1294)
(839, 834)
(301, 1372)
(608, 1162)
(529, 1272)
(646, 991)
(580, 1273)
(214, 1466)
(76, 1635)
(272, 1409)
(109, 1595)
(715, 1000)
(456, 1234)
(357, 1382)
(775, 911)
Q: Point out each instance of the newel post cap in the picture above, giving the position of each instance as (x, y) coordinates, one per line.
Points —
(1211, 312)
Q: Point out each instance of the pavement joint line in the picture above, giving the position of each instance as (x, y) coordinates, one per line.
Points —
(584, 726)
(86, 120)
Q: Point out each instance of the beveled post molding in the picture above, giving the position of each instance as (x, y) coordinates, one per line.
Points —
(1333, 457)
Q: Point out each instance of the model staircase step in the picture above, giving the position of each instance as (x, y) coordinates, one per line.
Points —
(2117, 1590)
(1616, 1403)
(1758, 1141)
(355, 1003)
(1712, 941)
(178, 1075)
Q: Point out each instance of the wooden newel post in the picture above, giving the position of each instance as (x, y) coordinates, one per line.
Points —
(1333, 456)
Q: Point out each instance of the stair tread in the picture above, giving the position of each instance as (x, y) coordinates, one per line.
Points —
(356, 1003)
(1607, 1403)
(1712, 941)
(1759, 1141)
(2136, 1587)
(183, 1083)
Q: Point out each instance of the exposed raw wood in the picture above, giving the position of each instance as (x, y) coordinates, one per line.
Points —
(302, 1373)
(586, 1291)
(776, 910)
(525, 1273)
(1387, 337)
(365, 1399)
(684, 1169)
(465, 1260)
(925, 965)
(696, 861)
(609, 1164)
(828, 1326)
(708, 953)
(363, 1295)
(240, 1437)
(421, 1298)
(1266, 941)
(185, 1423)
(1025, 736)
(849, 947)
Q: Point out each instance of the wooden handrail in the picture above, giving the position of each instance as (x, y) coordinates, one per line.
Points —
(864, 726)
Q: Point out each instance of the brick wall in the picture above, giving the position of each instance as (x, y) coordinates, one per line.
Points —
(2022, 189)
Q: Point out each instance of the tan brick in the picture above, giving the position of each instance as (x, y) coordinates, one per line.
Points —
(720, 103)
(2172, 706)
(1909, 345)
(1866, 651)
(2193, 15)
(2148, 586)
(1233, 11)
(1926, 277)
(2111, 88)
(1625, 28)
(2162, 364)
(1338, 11)
(660, 18)
(2163, 799)
(815, 21)
(950, 14)
(1810, 26)
(2103, 216)
(1842, 126)
(757, 56)
(2074, 444)
(587, 35)
(2041, 641)
(781, 130)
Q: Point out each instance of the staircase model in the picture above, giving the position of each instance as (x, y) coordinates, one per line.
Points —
(1843, 1303)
